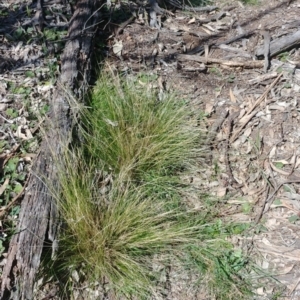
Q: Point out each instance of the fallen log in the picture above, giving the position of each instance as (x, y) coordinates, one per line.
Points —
(38, 224)
(281, 44)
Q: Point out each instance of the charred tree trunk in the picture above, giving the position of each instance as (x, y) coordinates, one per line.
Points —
(39, 217)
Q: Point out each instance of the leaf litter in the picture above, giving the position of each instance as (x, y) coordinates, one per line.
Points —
(260, 178)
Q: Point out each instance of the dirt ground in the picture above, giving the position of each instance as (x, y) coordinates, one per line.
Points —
(250, 107)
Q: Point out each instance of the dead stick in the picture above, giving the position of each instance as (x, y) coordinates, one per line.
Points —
(229, 41)
(232, 180)
(297, 180)
(229, 63)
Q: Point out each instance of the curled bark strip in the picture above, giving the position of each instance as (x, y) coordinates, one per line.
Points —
(39, 217)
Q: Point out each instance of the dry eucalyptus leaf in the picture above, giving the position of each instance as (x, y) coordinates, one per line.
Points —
(292, 196)
(279, 170)
(117, 48)
(207, 26)
(192, 21)
(221, 191)
(297, 162)
(28, 133)
(112, 123)
(293, 159)
(276, 107)
(3, 106)
(209, 108)
(247, 132)
(282, 161)
(25, 136)
(232, 97)
(5, 100)
(273, 152)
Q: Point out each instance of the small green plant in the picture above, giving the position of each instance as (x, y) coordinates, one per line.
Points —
(246, 207)
(284, 57)
(294, 218)
(28, 11)
(12, 113)
(3, 145)
(3, 13)
(231, 78)
(44, 110)
(2, 248)
(21, 90)
(53, 70)
(278, 294)
(216, 71)
(30, 74)
(19, 33)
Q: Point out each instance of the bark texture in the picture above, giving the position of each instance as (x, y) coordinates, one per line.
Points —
(281, 44)
(38, 225)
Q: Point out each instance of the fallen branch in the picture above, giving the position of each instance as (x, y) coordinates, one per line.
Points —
(263, 78)
(244, 64)
(226, 42)
(200, 8)
(281, 44)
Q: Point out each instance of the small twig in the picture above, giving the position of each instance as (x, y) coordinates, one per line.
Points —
(124, 24)
(232, 180)
(95, 12)
(270, 198)
(200, 8)
(211, 19)
(258, 217)
(217, 124)
(294, 287)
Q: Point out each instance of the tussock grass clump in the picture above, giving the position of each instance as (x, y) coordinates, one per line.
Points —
(121, 197)
(131, 132)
